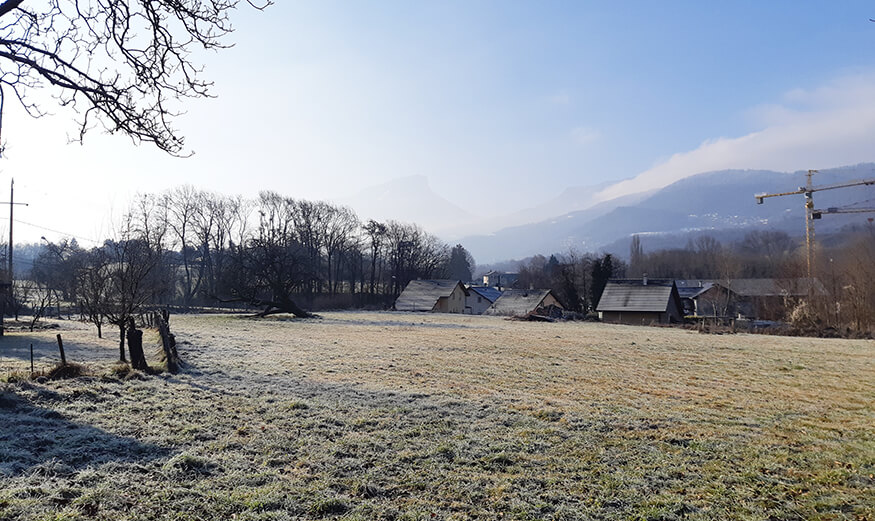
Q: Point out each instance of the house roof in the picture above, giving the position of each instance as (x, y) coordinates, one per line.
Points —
(490, 294)
(692, 288)
(422, 295)
(634, 295)
(758, 287)
(774, 287)
(517, 302)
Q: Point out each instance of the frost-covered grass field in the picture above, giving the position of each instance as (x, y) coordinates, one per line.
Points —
(402, 416)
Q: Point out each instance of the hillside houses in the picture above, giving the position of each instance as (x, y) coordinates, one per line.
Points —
(439, 296)
(765, 298)
(519, 302)
(627, 301)
(451, 296)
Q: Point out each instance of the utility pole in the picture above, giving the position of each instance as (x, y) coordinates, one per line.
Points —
(7, 284)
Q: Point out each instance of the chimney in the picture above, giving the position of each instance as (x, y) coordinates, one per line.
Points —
(645, 280)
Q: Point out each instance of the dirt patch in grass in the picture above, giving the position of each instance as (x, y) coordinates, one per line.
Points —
(407, 416)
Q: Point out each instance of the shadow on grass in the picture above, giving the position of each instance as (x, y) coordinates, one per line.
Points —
(37, 439)
(15, 350)
(17, 345)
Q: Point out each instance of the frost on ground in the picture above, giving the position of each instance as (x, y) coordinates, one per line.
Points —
(408, 416)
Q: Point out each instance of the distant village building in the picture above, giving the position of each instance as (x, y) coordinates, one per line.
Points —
(641, 301)
(500, 279)
(519, 302)
(438, 296)
(702, 298)
(765, 299)
(480, 298)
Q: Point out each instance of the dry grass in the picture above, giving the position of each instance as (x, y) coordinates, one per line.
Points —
(403, 416)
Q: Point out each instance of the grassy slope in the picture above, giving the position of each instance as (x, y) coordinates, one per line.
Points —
(397, 416)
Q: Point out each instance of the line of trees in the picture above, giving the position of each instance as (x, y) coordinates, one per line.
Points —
(188, 247)
(844, 271)
(576, 279)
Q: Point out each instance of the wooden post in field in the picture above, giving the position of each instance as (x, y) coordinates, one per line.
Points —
(61, 349)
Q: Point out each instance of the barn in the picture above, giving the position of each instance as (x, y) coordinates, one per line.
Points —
(519, 302)
(641, 301)
(439, 296)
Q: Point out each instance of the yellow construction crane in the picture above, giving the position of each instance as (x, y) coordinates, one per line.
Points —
(817, 214)
(807, 191)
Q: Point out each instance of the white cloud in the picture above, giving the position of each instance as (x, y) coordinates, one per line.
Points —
(584, 135)
(832, 125)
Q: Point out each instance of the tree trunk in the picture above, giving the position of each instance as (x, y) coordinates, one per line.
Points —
(121, 342)
(168, 342)
(99, 330)
(285, 305)
(135, 346)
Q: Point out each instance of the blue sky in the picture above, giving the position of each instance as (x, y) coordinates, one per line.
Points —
(322, 99)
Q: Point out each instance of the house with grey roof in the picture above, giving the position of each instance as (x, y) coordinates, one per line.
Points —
(480, 298)
(706, 298)
(641, 301)
(753, 298)
(438, 296)
(520, 302)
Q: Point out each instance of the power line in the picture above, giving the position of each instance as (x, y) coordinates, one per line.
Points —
(56, 231)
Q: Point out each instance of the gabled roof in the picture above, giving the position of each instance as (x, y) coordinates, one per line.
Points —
(634, 295)
(774, 287)
(517, 302)
(692, 288)
(422, 295)
(758, 287)
(490, 294)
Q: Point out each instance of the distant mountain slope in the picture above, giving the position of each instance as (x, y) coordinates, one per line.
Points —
(711, 201)
(572, 199)
(408, 199)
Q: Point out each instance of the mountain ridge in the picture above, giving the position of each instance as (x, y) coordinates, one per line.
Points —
(718, 200)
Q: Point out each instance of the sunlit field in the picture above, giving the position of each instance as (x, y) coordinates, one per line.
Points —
(422, 416)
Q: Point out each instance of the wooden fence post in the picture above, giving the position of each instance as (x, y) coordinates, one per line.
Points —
(61, 349)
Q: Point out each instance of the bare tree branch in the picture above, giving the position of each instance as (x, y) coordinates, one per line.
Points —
(125, 64)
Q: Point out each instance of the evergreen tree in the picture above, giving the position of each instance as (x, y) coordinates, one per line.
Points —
(602, 270)
(461, 264)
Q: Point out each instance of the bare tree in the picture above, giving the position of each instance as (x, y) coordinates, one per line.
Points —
(636, 257)
(20, 297)
(376, 232)
(272, 265)
(183, 209)
(39, 299)
(341, 225)
(133, 262)
(92, 282)
(126, 65)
